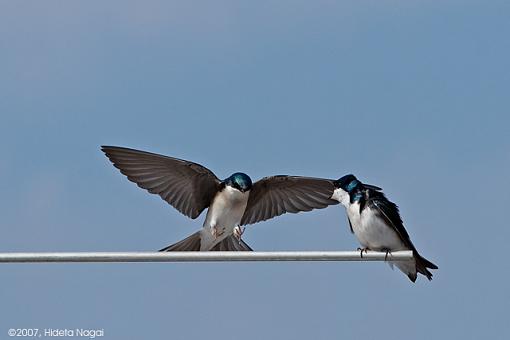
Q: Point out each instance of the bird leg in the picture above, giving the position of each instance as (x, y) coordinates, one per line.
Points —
(363, 250)
(238, 232)
(388, 252)
(216, 232)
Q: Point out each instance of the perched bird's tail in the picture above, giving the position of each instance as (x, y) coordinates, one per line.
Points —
(192, 243)
(422, 264)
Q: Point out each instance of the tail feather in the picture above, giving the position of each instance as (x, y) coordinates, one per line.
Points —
(422, 264)
(231, 243)
(193, 242)
(190, 243)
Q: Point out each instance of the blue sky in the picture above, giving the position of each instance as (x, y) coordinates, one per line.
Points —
(409, 95)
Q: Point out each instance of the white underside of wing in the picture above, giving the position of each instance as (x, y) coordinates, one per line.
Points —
(224, 214)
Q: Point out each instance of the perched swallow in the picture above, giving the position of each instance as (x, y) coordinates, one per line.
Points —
(377, 224)
(234, 202)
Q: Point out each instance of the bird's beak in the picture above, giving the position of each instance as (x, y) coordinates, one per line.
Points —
(373, 187)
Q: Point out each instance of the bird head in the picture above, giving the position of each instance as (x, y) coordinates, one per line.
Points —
(240, 181)
(349, 189)
(347, 183)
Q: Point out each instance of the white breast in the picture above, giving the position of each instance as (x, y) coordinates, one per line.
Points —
(341, 196)
(225, 214)
(374, 234)
(371, 231)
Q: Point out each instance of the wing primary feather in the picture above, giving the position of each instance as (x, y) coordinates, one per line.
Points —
(173, 179)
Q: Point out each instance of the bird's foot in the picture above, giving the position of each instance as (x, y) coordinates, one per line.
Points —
(363, 250)
(388, 252)
(238, 232)
(217, 232)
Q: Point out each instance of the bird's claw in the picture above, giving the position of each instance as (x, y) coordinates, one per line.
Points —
(362, 250)
(388, 252)
(215, 232)
(238, 232)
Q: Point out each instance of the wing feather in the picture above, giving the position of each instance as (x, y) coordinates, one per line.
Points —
(276, 195)
(189, 187)
(390, 213)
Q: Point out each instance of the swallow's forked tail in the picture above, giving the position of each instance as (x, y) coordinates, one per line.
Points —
(422, 264)
(192, 243)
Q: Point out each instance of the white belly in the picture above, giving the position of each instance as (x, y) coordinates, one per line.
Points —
(224, 214)
(374, 234)
(371, 231)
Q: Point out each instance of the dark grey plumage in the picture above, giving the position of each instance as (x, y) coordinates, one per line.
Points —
(189, 187)
(275, 195)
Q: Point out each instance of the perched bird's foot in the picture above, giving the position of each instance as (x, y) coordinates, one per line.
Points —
(388, 252)
(238, 232)
(363, 250)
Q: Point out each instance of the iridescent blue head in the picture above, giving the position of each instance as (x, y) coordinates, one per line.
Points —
(348, 183)
(240, 181)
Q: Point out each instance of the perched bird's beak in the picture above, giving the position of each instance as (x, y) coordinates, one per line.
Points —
(373, 187)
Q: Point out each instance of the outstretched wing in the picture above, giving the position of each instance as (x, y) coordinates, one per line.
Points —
(277, 195)
(388, 211)
(189, 187)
